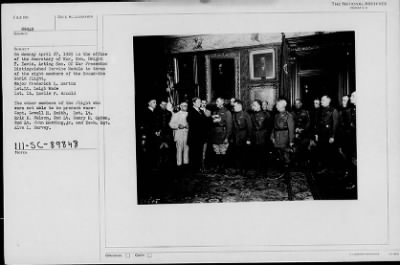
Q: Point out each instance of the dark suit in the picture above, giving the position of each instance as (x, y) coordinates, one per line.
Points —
(167, 147)
(152, 141)
(197, 136)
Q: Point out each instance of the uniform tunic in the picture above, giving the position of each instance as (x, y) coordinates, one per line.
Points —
(242, 128)
(326, 128)
(348, 127)
(302, 125)
(283, 131)
(260, 122)
(327, 123)
(301, 120)
(222, 125)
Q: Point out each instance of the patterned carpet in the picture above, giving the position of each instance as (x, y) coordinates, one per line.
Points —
(212, 187)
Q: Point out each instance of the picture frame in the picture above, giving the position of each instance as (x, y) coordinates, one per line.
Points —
(262, 64)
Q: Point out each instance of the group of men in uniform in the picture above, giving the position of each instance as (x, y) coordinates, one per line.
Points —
(314, 138)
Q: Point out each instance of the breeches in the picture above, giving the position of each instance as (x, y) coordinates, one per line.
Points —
(284, 155)
(220, 149)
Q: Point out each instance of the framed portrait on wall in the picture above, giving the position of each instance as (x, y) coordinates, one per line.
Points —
(262, 64)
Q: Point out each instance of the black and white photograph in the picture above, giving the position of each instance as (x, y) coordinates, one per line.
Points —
(207, 131)
(210, 132)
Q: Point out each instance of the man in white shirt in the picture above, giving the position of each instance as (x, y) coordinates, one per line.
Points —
(180, 126)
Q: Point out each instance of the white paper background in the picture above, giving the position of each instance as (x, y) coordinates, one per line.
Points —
(269, 223)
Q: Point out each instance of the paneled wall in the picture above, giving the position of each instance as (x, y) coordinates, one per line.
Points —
(258, 89)
(304, 48)
(196, 43)
(232, 46)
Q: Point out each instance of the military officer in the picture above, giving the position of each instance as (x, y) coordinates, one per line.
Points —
(282, 135)
(230, 104)
(314, 117)
(301, 124)
(326, 132)
(348, 141)
(270, 109)
(345, 105)
(242, 133)
(221, 133)
(345, 102)
(260, 122)
(207, 112)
